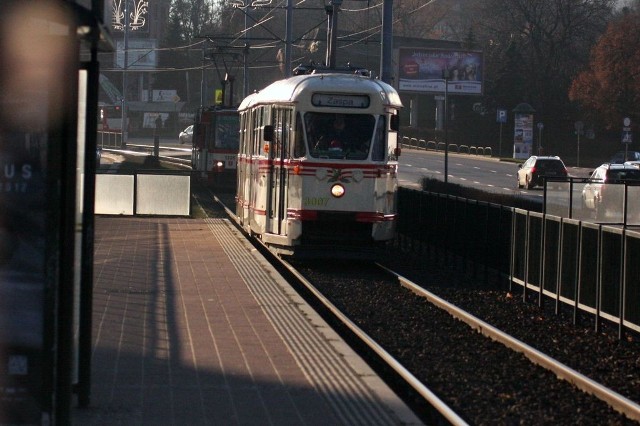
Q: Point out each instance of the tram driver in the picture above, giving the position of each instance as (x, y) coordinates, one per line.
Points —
(336, 136)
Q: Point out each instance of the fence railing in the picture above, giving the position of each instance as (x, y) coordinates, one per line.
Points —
(109, 139)
(613, 203)
(578, 265)
(429, 145)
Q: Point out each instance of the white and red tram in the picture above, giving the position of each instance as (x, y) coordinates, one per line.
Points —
(317, 164)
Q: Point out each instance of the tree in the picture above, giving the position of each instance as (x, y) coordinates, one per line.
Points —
(533, 49)
(610, 87)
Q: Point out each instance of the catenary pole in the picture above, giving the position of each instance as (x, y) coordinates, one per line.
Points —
(387, 41)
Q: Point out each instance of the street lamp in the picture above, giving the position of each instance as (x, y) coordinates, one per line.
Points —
(579, 126)
(540, 127)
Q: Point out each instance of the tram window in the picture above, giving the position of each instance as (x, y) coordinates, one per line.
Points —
(227, 132)
(298, 144)
(346, 136)
(394, 124)
(379, 141)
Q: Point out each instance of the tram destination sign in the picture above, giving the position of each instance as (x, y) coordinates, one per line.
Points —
(340, 100)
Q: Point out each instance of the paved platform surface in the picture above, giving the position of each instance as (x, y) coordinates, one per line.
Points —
(191, 326)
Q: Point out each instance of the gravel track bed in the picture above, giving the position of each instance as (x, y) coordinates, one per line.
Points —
(486, 382)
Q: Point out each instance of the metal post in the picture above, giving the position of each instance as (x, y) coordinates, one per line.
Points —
(335, 4)
(202, 76)
(123, 125)
(289, 39)
(329, 11)
(245, 53)
(578, 156)
(500, 142)
(445, 76)
(387, 41)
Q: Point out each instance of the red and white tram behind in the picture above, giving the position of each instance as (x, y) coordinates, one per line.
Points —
(317, 165)
(215, 142)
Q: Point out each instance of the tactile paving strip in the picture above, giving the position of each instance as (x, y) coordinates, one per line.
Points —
(326, 366)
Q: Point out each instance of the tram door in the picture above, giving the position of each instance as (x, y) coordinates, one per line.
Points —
(278, 153)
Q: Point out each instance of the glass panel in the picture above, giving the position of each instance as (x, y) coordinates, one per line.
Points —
(633, 205)
(339, 136)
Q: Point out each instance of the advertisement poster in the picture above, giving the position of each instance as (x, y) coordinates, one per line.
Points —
(22, 275)
(523, 136)
(37, 53)
(421, 70)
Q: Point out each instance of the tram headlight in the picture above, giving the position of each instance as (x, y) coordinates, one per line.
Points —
(337, 190)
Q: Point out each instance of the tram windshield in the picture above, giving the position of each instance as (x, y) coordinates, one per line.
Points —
(227, 131)
(346, 136)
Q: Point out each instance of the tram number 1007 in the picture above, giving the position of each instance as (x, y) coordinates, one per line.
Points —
(315, 201)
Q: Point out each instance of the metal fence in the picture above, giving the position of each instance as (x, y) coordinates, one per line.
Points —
(109, 139)
(620, 202)
(579, 265)
(429, 145)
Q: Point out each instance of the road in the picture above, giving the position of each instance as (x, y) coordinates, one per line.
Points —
(484, 173)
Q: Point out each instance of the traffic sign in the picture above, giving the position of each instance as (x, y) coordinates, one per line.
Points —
(502, 116)
(627, 136)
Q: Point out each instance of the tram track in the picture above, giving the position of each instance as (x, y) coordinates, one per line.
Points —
(461, 368)
(475, 373)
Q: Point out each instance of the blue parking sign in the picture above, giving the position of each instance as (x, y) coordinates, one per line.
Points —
(502, 116)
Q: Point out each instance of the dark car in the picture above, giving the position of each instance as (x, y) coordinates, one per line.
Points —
(533, 171)
(604, 192)
(622, 156)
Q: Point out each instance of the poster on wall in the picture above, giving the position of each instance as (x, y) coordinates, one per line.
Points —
(421, 70)
(523, 136)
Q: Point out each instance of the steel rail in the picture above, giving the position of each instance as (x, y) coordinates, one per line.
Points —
(418, 386)
(613, 399)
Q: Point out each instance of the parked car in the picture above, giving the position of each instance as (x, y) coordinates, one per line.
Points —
(533, 171)
(604, 192)
(621, 156)
(186, 135)
(633, 163)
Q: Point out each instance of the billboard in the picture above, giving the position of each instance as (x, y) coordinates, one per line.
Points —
(142, 54)
(421, 70)
(523, 135)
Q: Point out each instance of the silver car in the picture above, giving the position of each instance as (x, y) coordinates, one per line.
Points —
(186, 136)
(604, 192)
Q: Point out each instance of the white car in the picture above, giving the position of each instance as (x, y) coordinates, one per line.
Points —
(635, 164)
(186, 135)
(605, 191)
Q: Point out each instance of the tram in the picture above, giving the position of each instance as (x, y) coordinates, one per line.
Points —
(317, 164)
(215, 144)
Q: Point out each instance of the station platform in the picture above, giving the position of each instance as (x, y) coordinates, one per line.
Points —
(192, 326)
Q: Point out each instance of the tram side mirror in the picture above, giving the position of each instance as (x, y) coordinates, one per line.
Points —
(267, 133)
(394, 125)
